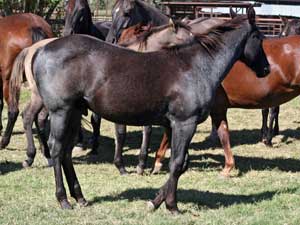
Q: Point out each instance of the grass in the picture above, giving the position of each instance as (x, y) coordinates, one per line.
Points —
(264, 187)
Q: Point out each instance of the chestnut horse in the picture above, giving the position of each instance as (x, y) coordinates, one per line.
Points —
(174, 88)
(17, 32)
(249, 92)
(290, 28)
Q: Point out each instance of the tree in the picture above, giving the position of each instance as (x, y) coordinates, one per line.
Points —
(44, 8)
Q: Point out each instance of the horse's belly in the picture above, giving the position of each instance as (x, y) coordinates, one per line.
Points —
(129, 112)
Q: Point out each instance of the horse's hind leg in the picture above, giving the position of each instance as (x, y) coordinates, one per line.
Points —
(40, 123)
(220, 121)
(264, 127)
(1, 104)
(96, 122)
(275, 115)
(29, 114)
(144, 150)
(120, 133)
(161, 152)
(11, 120)
(57, 143)
(67, 163)
(274, 112)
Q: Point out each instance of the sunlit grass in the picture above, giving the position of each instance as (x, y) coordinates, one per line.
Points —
(264, 187)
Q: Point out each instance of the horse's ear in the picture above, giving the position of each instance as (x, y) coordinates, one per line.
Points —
(233, 14)
(284, 20)
(172, 24)
(251, 14)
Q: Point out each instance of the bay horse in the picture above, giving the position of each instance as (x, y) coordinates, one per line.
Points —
(17, 32)
(78, 20)
(173, 88)
(291, 27)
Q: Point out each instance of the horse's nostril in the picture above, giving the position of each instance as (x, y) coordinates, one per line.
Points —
(267, 70)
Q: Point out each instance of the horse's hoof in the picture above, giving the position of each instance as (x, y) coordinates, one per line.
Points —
(139, 170)
(175, 212)
(224, 175)
(64, 204)
(156, 169)
(82, 202)
(25, 164)
(4, 142)
(150, 206)
(267, 143)
(123, 172)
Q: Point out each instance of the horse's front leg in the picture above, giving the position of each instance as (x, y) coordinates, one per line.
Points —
(120, 133)
(144, 149)
(182, 133)
(220, 121)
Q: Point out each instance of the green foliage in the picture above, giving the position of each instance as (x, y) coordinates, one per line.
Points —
(44, 8)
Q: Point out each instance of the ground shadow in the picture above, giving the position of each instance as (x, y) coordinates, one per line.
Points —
(239, 137)
(245, 136)
(7, 167)
(202, 199)
(245, 164)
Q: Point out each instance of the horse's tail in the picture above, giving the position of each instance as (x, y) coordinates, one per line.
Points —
(16, 81)
(37, 34)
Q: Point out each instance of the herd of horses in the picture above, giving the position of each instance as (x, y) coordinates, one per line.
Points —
(141, 69)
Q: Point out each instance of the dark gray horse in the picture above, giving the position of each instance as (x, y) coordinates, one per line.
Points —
(126, 13)
(173, 88)
(78, 20)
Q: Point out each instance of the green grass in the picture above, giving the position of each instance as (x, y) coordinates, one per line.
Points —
(264, 187)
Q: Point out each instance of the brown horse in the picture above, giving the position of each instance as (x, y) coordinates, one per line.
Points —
(291, 27)
(249, 92)
(17, 32)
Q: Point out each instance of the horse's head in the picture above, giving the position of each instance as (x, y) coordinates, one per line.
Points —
(254, 55)
(78, 18)
(125, 13)
(155, 38)
(290, 27)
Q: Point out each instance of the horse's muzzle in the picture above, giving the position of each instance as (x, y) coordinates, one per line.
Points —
(267, 70)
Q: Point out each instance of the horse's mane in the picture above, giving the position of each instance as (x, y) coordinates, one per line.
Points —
(143, 35)
(212, 39)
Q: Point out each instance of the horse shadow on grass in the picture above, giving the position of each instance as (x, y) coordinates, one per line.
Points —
(106, 147)
(239, 137)
(245, 136)
(204, 199)
(7, 167)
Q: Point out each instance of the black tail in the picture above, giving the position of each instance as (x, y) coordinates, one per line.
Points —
(37, 34)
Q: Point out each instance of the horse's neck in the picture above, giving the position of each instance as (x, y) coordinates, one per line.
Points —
(155, 15)
(221, 61)
(95, 32)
